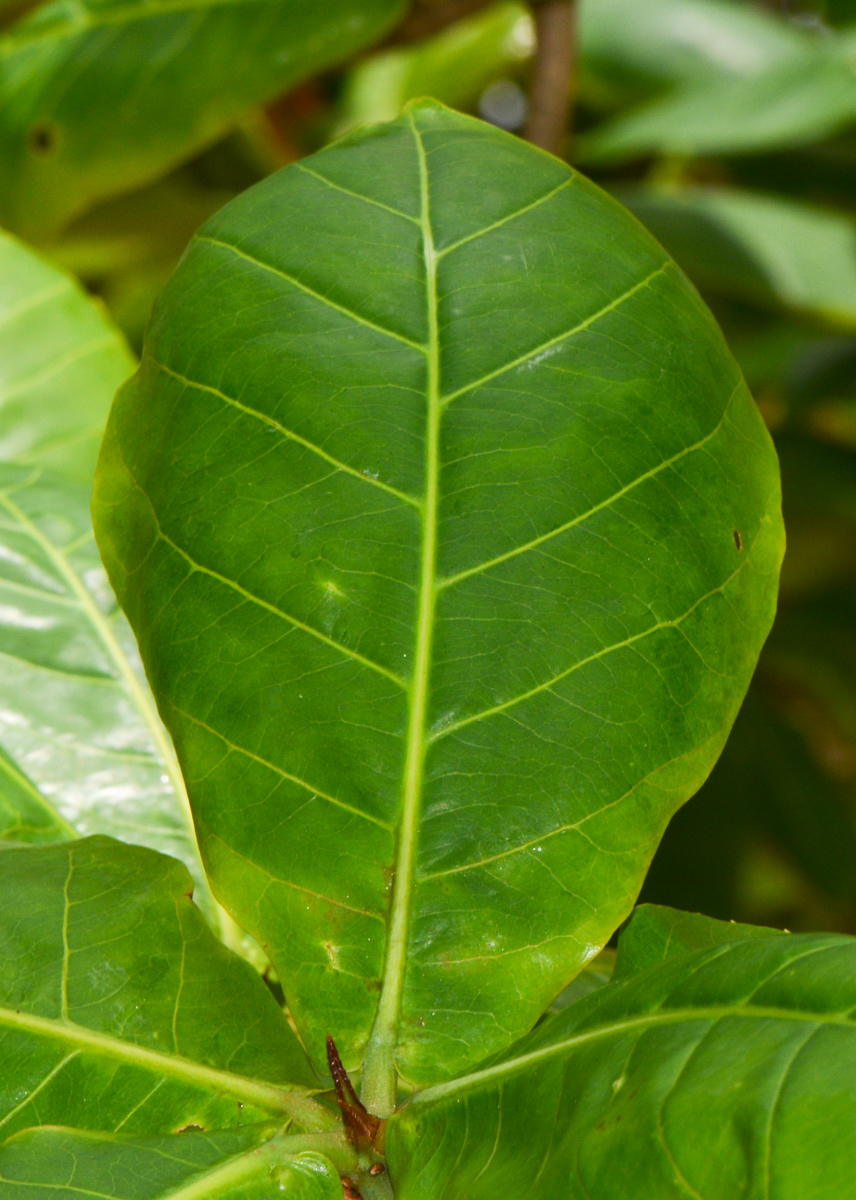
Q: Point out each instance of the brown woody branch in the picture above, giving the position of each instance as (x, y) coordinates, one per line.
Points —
(430, 16)
(554, 73)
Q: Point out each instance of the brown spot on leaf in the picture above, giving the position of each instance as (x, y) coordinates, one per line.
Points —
(42, 138)
(738, 540)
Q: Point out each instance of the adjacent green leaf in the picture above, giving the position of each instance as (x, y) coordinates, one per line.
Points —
(105, 95)
(120, 1010)
(756, 246)
(595, 974)
(82, 749)
(79, 733)
(442, 638)
(25, 814)
(61, 364)
(245, 1164)
(655, 933)
(127, 247)
(680, 41)
(729, 1072)
(795, 102)
(455, 66)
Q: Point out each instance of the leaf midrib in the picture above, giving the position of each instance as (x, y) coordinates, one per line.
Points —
(379, 1071)
(672, 1017)
(294, 1100)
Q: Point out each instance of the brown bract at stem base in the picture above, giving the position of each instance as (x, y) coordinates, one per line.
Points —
(361, 1126)
(554, 76)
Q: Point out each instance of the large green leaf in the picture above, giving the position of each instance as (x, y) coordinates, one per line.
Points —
(120, 1010)
(61, 364)
(246, 1164)
(449, 533)
(794, 102)
(729, 1073)
(103, 95)
(756, 246)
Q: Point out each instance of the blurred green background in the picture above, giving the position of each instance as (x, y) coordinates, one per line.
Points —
(727, 126)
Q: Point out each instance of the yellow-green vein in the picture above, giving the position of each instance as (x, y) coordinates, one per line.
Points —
(293, 1100)
(379, 1072)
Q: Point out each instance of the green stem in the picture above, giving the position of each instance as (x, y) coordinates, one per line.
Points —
(256, 1165)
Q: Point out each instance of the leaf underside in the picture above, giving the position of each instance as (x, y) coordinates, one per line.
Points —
(449, 533)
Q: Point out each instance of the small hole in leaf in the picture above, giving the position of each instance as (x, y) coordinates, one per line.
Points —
(43, 138)
(191, 1129)
(738, 540)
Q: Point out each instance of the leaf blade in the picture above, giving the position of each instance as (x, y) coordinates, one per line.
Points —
(120, 1009)
(657, 1072)
(251, 1164)
(655, 933)
(354, 579)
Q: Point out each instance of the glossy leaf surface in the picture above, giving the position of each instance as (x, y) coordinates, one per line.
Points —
(441, 639)
(722, 1075)
(60, 364)
(120, 1010)
(758, 247)
(83, 747)
(45, 1164)
(110, 93)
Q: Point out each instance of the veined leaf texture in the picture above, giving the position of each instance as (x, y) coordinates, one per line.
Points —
(450, 534)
